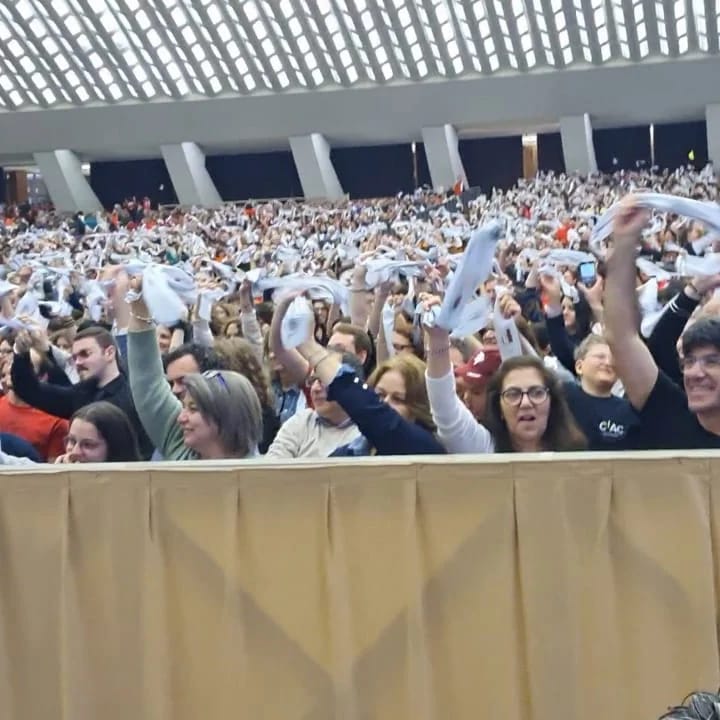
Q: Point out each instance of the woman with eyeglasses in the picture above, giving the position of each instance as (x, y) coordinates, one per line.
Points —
(99, 432)
(526, 410)
(220, 415)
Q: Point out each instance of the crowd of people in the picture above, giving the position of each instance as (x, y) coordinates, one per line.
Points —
(566, 314)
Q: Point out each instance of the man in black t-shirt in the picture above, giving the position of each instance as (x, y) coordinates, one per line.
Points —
(669, 417)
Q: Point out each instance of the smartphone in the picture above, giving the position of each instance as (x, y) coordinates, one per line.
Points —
(587, 273)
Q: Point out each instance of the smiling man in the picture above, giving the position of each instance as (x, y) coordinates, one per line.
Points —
(669, 417)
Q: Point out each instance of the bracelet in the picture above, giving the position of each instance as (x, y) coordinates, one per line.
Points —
(438, 351)
(352, 289)
(321, 361)
(147, 321)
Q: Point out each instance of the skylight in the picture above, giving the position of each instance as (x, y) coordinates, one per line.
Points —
(76, 52)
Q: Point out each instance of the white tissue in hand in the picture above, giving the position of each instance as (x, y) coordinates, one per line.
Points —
(296, 324)
(473, 317)
(692, 265)
(388, 323)
(472, 271)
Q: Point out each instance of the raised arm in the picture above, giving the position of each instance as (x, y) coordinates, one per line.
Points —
(296, 366)
(156, 406)
(634, 362)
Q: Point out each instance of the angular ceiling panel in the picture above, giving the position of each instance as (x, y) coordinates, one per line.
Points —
(59, 53)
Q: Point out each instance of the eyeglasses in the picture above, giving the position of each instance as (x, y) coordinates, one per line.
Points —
(536, 394)
(216, 375)
(706, 362)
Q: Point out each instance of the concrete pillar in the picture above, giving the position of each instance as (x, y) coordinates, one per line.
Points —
(192, 182)
(441, 150)
(68, 188)
(318, 178)
(577, 143)
(712, 122)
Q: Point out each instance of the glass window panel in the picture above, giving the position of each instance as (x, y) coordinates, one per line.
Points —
(317, 76)
(458, 66)
(198, 53)
(352, 74)
(178, 16)
(37, 28)
(683, 44)
(27, 64)
(49, 96)
(530, 58)
(16, 98)
(215, 85)
(207, 68)
(83, 94)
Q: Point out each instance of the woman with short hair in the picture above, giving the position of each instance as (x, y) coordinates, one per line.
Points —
(219, 417)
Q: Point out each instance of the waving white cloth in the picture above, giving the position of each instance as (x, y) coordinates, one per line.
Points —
(329, 286)
(167, 291)
(295, 327)
(706, 212)
(692, 265)
(472, 271)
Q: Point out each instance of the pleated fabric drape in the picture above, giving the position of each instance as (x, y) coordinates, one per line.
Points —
(432, 589)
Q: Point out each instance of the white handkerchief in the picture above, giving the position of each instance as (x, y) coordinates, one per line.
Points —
(691, 265)
(507, 334)
(296, 325)
(472, 271)
(474, 316)
(388, 322)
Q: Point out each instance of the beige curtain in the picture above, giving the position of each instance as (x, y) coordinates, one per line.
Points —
(440, 589)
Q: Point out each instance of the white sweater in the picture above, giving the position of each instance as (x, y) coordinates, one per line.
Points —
(458, 430)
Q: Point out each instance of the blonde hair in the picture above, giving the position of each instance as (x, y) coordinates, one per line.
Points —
(412, 370)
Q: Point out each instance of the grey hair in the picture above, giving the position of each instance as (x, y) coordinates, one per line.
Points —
(698, 706)
(229, 400)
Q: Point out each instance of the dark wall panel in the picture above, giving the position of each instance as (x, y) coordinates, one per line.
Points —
(625, 148)
(114, 181)
(375, 170)
(254, 175)
(550, 153)
(423, 177)
(492, 162)
(676, 141)
(3, 186)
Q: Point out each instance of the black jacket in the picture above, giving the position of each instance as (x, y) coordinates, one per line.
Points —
(63, 402)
